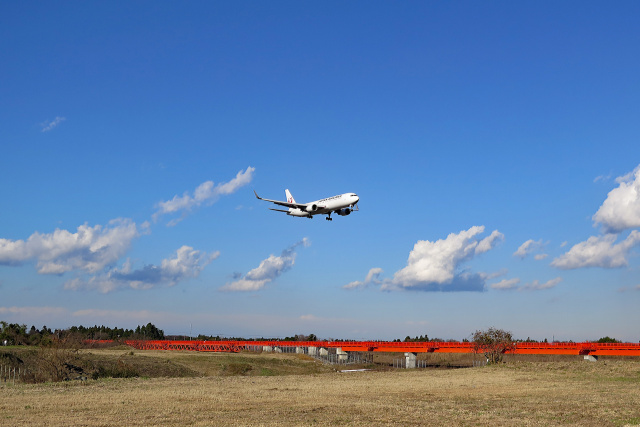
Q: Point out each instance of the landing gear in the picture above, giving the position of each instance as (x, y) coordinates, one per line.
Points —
(328, 218)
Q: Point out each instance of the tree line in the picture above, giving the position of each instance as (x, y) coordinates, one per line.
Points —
(18, 334)
(201, 337)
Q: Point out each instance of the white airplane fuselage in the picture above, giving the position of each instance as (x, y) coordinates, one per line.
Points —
(335, 204)
(342, 205)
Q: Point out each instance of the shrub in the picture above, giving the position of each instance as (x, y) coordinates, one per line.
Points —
(493, 343)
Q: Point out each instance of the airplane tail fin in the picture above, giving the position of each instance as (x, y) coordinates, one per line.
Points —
(289, 196)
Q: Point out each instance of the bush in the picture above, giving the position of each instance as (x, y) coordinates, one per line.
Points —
(493, 343)
(118, 370)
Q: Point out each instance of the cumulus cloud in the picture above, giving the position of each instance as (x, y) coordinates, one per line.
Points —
(89, 249)
(436, 266)
(373, 277)
(598, 251)
(48, 125)
(268, 270)
(529, 247)
(186, 263)
(621, 209)
(619, 212)
(205, 193)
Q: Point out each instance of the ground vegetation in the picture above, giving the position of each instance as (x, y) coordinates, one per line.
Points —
(221, 389)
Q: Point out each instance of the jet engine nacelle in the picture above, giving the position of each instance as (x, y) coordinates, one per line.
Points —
(311, 208)
(343, 211)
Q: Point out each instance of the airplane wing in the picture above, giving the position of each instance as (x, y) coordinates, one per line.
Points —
(286, 204)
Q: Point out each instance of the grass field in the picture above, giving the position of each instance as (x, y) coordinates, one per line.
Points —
(186, 388)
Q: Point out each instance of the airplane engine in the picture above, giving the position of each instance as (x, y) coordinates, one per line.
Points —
(312, 208)
(344, 211)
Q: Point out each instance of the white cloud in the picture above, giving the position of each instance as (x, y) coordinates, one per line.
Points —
(496, 274)
(373, 277)
(528, 248)
(35, 315)
(268, 270)
(89, 249)
(186, 263)
(489, 242)
(602, 178)
(62, 317)
(506, 284)
(513, 284)
(49, 125)
(537, 286)
(205, 193)
(621, 209)
(116, 315)
(619, 212)
(435, 266)
(598, 252)
(33, 311)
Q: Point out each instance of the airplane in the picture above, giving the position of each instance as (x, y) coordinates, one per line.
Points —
(341, 205)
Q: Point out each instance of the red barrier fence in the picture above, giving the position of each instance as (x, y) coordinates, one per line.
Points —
(584, 348)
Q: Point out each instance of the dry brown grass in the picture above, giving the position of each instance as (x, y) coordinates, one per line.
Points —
(197, 364)
(572, 392)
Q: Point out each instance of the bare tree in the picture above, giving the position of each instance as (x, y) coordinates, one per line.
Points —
(493, 343)
(57, 361)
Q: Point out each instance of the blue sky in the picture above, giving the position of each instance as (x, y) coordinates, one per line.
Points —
(494, 147)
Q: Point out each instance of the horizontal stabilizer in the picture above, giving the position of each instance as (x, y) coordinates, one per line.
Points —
(279, 210)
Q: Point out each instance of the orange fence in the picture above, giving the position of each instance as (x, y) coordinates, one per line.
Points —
(585, 348)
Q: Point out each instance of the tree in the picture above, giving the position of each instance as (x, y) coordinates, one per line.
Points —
(493, 343)
(13, 333)
(151, 332)
(608, 339)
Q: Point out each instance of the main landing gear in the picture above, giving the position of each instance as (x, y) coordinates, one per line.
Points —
(328, 218)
